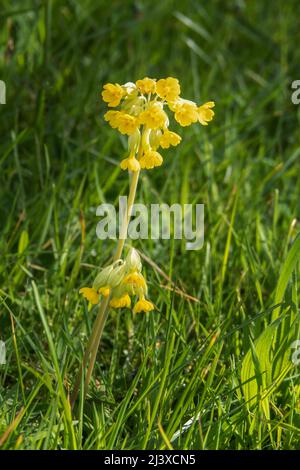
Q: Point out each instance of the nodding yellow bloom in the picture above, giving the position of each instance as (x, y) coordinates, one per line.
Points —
(169, 138)
(122, 280)
(186, 112)
(127, 124)
(143, 305)
(120, 302)
(130, 163)
(135, 279)
(154, 116)
(146, 85)
(105, 291)
(205, 113)
(112, 94)
(146, 121)
(112, 118)
(90, 294)
(151, 159)
(168, 88)
(122, 121)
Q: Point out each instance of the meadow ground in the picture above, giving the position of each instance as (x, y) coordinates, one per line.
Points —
(59, 160)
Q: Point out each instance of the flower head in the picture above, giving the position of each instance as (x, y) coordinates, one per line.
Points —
(112, 94)
(154, 116)
(151, 159)
(122, 121)
(90, 294)
(143, 305)
(120, 302)
(168, 88)
(142, 116)
(105, 291)
(146, 85)
(130, 163)
(169, 138)
(205, 113)
(185, 112)
(135, 279)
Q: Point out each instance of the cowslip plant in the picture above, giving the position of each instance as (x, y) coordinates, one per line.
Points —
(143, 110)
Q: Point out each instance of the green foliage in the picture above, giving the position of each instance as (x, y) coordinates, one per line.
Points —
(269, 360)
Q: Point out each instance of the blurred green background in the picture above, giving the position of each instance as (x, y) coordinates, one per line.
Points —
(59, 161)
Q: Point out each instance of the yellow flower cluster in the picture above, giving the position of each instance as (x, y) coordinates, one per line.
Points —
(121, 280)
(143, 118)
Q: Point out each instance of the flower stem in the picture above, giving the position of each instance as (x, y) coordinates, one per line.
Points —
(95, 338)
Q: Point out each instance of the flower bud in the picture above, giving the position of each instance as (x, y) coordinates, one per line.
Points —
(102, 278)
(116, 275)
(155, 137)
(134, 142)
(133, 261)
(120, 290)
(130, 87)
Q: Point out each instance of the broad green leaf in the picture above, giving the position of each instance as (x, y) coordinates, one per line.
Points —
(268, 361)
(290, 264)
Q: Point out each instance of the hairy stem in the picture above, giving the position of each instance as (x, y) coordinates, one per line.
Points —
(95, 338)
